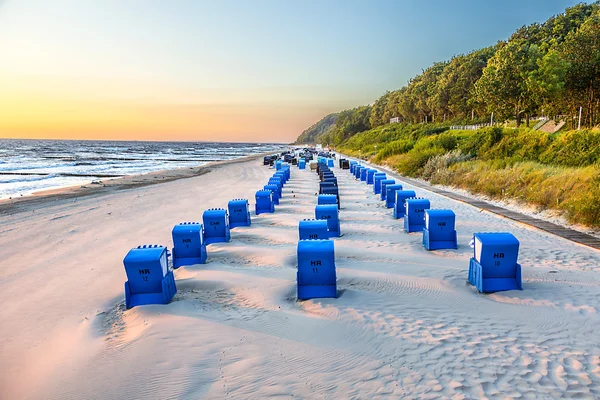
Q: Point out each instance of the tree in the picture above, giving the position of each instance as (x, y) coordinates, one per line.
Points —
(503, 86)
(455, 87)
(423, 87)
(378, 110)
(546, 83)
(581, 49)
(349, 123)
(392, 109)
(554, 65)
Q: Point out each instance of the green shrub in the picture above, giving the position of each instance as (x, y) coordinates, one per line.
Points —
(447, 141)
(559, 171)
(412, 163)
(439, 164)
(574, 148)
(434, 131)
(396, 147)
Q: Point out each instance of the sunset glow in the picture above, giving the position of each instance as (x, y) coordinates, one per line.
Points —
(227, 70)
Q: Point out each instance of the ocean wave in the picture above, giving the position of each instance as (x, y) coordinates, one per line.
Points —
(25, 178)
(55, 163)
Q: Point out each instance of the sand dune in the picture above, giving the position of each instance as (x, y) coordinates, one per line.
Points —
(405, 324)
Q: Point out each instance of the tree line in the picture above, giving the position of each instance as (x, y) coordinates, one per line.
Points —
(550, 69)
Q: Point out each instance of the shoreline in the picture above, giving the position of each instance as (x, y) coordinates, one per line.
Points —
(57, 196)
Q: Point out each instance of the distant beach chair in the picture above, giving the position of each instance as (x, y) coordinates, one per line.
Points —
(332, 190)
(327, 199)
(390, 194)
(377, 178)
(399, 203)
(149, 279)
(331, 179)
(494, 266)
(264, 202)
(216, 226)
(313, 229)
(273, 188)
(326, 173)
(331, 214)
(188, 244)
(355, 171)
(330, 162)
(281, 175)
(439, 232)
(353, 165)
(316, 276)
(278, 181)
(288, 171)
(302, 164)
(323, 185)
(278, 165)
(239, 213)
(370, 175)
(322, 167)
(414, 220)
(383, 184)
(358, 171)
(363, 174)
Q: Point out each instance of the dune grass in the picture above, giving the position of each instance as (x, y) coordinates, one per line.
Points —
(550, 171)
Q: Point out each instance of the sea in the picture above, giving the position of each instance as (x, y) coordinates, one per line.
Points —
(29, 166)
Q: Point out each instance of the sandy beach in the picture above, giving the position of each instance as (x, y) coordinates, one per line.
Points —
(405, 325)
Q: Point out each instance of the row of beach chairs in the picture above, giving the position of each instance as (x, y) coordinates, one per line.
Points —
(150, 278)
(316, 276)
(493, 266)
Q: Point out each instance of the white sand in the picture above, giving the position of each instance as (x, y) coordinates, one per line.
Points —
(405, 325)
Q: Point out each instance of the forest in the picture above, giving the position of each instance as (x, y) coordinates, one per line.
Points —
(550, 69)
(547, 70)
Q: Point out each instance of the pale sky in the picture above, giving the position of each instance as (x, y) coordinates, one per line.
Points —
(223, 70)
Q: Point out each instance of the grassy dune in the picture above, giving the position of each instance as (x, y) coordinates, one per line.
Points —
(551, 171)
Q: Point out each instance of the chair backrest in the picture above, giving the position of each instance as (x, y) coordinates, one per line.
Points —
(377, 178)
(383, 185)
(363, 174)
(188, 238)
(390, 195)
(415, 210)
(316, 262)
(216, 222)
(145, 267)
(239, 211)
(401, 196)
(331, 214)
(440, 224)
(264, 202)
(497, 252)
(313, 229)
(370, 175)
(358, 170)
(327, 199)
(273, 188)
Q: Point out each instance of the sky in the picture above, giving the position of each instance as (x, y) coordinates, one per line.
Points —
(224, 70)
